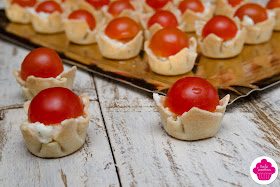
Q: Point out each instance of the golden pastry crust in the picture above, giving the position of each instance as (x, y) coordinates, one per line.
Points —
(16, 13)
(189, 17)
(277, 19)
(195, 124)
(177, 64)
(223, 8)
(98, 13)
(47, 23)
(114, 49)
(33, 85)
(68, 137)
(214, 47)
(133, 14)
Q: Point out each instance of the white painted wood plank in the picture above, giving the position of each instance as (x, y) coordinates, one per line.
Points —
(145, 154)
(92, 165)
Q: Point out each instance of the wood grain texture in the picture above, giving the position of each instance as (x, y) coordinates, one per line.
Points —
(145, 154)
(91, 165)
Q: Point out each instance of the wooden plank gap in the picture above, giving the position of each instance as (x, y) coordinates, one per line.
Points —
(63, 177)
(16, 106)
(2, 114)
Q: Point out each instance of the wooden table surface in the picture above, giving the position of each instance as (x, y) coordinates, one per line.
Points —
(126, 144)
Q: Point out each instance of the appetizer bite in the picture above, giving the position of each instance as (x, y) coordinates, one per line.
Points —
(46, 18)
(155, 5)
(192, 11)
(191, 109)
(274, 5)
(170, 52)
(229, 7)
(41, 69)
(121, 39)
(257, 21)
(94, 6)
(57, 122)
(220, 37)
(80, 27)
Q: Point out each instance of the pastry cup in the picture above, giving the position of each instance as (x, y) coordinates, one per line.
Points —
(223, 8)
(277, 19)
(177, 64)
(47, 23)
(195, 124)
(214, 47)
(113, 49)
(189, 17)
(98, 13)
(62, 139)
(16, 13)
(133, 14)
(33, 85)
(146, 8)
(260, 32)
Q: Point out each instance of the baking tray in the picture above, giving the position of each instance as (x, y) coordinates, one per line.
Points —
(256, 68)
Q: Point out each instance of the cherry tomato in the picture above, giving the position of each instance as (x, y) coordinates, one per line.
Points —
(84, 15)
(194, 5)
(116, 7)
(41, 62)
(164, 18)
(24, 3)
(157, 4)
(190, 92)
(221, 26)
(273, 4)
(123, 29)
(53, 105)
(254, 11)
(234, 3)
(49, 7)
(168, 41)
(98, 3)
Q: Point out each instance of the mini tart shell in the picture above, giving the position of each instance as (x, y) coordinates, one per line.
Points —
(189, 17)
(33, 85)
(49, 25)
(98, 13)
(195, 124)
(214, 47)
(260, 32)
(70, 137)
(223, 8)
(113, 49)
(133, 14)
(177, 64)
(277, 19)
(16, 13)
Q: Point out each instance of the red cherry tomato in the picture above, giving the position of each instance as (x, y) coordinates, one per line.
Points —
(84, 15)
(49, 7)
(254, 11)
(41, 62)
(234, 3)
(164, 18)
(221, 26)
(168, 41)
(116, 7)
(157, 4)
(98, 3)
(273, 4)
(190, 92)
(194, 5)
(123, 29)
(53, 105)
(24, 3)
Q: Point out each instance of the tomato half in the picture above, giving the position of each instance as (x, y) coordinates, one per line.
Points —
(254, 11)
(234, 3)
(157, 4)
(190, 92)
(41, 62)
(194, 5)
(98, 3)
(116, 7)
(168, 41)
(53, 105)
(84, 15)
(49, 7)
(122, 29)
(24, 3)
(164, 18)
(221, 26)
(273, 4)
